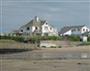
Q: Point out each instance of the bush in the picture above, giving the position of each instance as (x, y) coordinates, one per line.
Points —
(19, 39)
(44, 46)
(5, 37)
(51, 38)
(53, 47)
(73, 38)
(84, 43)
(36, 39)
(89, 38)
(33, 39)
(59, 46)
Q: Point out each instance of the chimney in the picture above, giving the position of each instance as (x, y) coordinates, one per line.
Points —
(36, 18)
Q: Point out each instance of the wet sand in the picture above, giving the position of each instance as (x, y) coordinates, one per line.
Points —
(48, 59)
(51, 53)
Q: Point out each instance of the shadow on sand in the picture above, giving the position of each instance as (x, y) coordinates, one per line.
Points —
(14, 50)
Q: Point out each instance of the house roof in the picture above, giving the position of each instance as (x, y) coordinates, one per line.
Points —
(34, 22)
(67, 28)
(16, 31)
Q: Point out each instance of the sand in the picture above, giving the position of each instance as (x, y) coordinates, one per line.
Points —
(45, 65)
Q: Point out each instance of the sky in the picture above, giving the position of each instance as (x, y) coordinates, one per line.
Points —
(59, 13)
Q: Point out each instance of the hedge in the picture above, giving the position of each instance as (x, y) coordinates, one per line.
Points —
(16, 38)
(73, 38)
(89, 38)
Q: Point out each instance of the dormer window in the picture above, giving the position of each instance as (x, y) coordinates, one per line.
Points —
(46, 23)
(28, 28)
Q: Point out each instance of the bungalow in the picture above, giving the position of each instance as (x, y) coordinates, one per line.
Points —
(37, 27)
(73, 30)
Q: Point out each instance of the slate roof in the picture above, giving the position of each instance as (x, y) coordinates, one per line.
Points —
(67, 28)
(33, 22)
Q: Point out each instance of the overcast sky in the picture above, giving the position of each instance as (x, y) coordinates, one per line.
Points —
(57, 12)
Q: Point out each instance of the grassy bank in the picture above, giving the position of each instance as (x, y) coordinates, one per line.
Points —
(15, 45)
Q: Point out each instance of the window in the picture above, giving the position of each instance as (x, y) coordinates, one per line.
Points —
(36, 28)
(21, 30)
(78, 29)
(50, 28)
(46, 28)
(86, 30)
(73, 30)
(83, 29)
(28, 28)
(46, 23)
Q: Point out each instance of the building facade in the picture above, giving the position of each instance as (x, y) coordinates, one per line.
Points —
(73, 30)
(37, 27)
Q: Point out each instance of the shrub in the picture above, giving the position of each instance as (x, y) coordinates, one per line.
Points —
(20, 39)
(53, 47)
(5, 37)
(51, 38)
(44, 46)
(73, 38)
(38, 38)
(84, 43)
(35, 39)
(59, 46)
(89, 38)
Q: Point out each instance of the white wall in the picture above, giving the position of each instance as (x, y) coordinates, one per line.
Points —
(45, 30)
(77, 32)
(50, 30)
(33, 28)
(68, 33)
(85, 29)
(25, 30)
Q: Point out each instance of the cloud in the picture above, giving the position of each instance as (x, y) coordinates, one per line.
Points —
(58, 13)
(46, 0)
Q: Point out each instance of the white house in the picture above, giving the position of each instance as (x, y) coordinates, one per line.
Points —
(38, 27)
(73, 30)
(85, 36)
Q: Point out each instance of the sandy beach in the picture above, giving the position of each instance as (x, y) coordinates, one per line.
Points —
(46, 59)
(45, 65)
